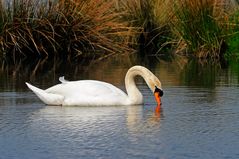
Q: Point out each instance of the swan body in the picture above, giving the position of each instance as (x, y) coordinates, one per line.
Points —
(95, 93)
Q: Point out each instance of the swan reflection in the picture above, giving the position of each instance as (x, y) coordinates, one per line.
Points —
(89, 118)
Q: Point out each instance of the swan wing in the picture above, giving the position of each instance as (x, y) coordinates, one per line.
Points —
(89, 92)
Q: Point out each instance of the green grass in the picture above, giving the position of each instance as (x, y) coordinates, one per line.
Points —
(231, 28)
(196, 27)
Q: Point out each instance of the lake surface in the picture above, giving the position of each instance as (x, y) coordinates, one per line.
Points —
(199, 116)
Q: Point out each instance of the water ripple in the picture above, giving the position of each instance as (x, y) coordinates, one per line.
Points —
(194, 122)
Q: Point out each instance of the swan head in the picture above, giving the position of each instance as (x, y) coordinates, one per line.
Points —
(156, 88)
(158, 93)
(154, 84)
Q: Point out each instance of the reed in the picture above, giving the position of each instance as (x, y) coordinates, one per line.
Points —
(62, 28)
(138, 14)
(162, 35)
(83, 28)
(231, 29)
(147, 16)
(197, 28)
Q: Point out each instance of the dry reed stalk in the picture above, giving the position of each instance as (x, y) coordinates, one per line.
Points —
(65, 27)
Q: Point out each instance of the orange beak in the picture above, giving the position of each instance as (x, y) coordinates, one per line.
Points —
(157, 98)
(158, 93)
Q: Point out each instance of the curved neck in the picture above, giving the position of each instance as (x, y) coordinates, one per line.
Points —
(133, 92)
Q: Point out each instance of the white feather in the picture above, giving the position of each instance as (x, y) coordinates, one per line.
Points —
(46, 97)
(62, 80)
(91, 92)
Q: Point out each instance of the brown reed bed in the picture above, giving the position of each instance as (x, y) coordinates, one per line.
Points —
(153, 17)
(86, 28)
(63, 28)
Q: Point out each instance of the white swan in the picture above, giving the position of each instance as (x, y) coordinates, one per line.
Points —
(92, 92)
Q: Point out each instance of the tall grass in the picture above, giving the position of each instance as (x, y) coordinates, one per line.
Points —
(100, 28)
(149, 16)
(231, 29)
(138, 14)
(197, 28)
(162, 34)
(62, 28)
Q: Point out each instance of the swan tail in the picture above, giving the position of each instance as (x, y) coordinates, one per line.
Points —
(47, 98)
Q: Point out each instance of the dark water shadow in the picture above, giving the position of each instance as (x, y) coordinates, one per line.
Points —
(177, 70)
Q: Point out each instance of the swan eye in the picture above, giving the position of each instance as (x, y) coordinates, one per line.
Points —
(160, 91)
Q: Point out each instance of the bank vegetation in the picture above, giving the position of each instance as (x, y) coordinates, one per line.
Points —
(207, 29)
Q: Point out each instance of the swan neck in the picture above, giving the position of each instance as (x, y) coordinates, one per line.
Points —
(133, 92)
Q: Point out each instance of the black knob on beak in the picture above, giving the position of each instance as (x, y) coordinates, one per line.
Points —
(160, 91)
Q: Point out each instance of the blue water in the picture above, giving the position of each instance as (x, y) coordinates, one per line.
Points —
(199, 118)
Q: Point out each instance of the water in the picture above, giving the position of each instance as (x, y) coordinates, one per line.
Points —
(199, 116)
